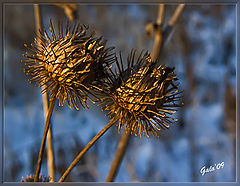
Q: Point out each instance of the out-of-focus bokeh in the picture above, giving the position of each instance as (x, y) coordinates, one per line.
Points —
(202, 50)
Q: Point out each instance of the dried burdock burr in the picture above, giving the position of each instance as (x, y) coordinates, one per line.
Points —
(41, 178)
(67, 63)
(66, 66)
(144, 97)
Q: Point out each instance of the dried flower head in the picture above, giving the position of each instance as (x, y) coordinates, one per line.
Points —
(40, 179)
(143, 97)
(66, 64)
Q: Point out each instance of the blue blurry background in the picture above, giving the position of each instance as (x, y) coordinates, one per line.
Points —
(202, 49)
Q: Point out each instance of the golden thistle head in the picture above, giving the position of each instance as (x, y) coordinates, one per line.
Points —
(66, 64)
(31, 178)
(143, 97)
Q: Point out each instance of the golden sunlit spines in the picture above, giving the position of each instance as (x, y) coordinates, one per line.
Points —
(139, 96)
(70, 62)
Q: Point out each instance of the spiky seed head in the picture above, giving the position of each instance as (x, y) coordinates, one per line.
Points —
(66, 64)
(41, 178)
(143, 97)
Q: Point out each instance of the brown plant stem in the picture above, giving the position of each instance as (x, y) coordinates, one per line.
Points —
(50, 156)
(47, 124)
(161, 34)
(86, 148)
(176, 14)
(126, 135)
(158, 43)
(118, 156)
(171, 23)
(158, 33)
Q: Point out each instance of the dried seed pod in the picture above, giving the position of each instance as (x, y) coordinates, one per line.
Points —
(143, 97)
(67, 63)
(40, 179)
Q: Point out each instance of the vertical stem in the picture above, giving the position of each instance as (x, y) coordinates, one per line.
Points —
(38, 21)
(160, 14)
(50, 156)
(52, 102)
(158, 33)
(118, 156)
(125, 137)
(86, 148)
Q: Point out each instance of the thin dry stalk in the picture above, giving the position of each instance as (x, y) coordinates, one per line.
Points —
(172, 22)
(47, 124)
(158, 33)
(158, 43)
(118, 156)
(167, 30)
(160, 17)
(86, 148)
(50, 156)
(126, 135)
(176, 14)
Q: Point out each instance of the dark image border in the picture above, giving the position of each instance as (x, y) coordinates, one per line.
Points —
(187, 2)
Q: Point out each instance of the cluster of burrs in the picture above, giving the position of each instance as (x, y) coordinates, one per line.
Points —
(75, 66)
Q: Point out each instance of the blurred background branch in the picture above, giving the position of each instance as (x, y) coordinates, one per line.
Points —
(176, 14)
(160, 33)
(70, 10)
(168, 29)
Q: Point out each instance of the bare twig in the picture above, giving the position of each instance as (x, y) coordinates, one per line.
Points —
(172, 22)
(70, 10)
(118, 156)
(158, 33)
(86, 148)
(161, 34)
(50, 155)
(38, 21)
(176, 14)
(47, 124)
(160, 17)
(150, 27)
